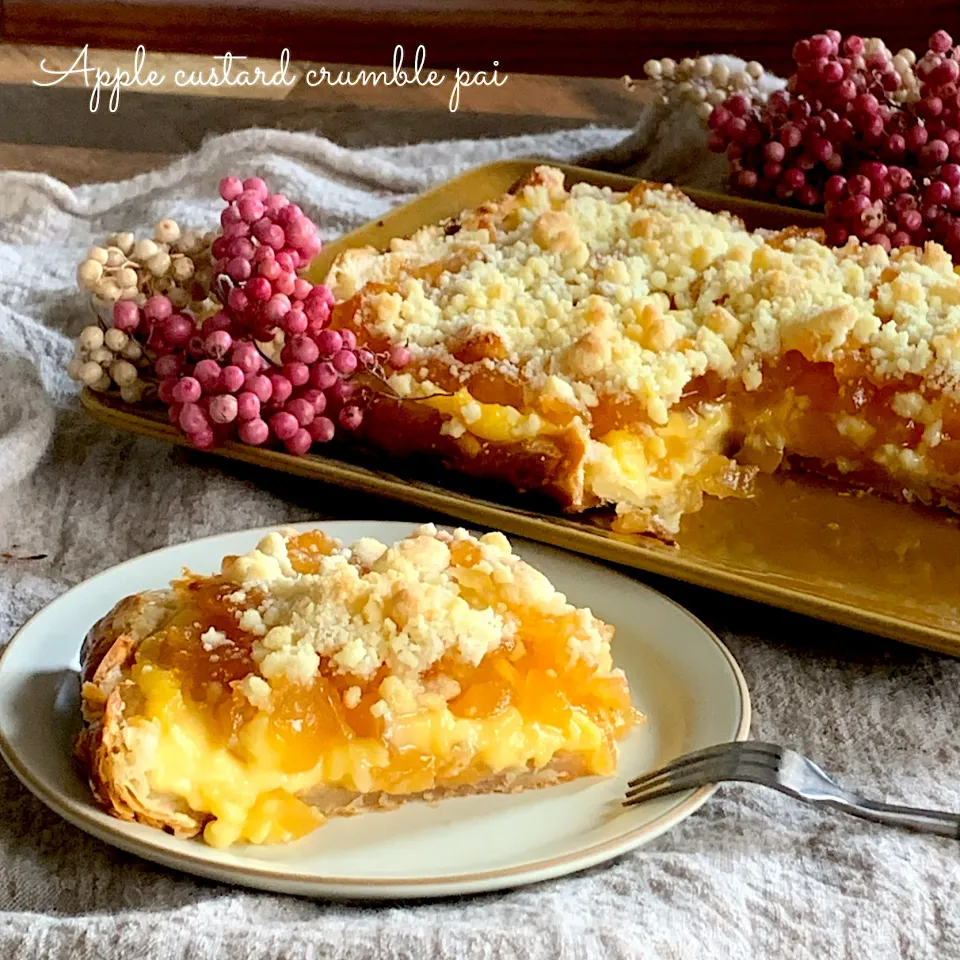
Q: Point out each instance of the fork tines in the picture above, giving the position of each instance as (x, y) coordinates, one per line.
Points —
(750, 760)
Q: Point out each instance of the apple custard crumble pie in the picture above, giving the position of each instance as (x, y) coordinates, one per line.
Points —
(633, 350)
(308, 679)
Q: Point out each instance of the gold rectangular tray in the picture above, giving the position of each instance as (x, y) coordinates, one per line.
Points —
(889, 568)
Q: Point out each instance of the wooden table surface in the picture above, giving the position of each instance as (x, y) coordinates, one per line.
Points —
(51, 129)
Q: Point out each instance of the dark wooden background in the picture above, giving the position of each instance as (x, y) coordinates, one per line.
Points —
(598, 38)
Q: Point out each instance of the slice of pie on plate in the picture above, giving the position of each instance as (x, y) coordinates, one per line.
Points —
(308, 680)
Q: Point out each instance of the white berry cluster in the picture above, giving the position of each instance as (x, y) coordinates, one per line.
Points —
(904, 63)
(708, 81)
(705, 81)
(106, 357)
(174, 262)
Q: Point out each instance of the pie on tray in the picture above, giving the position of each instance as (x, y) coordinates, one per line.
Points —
(631, 350)
(308, 679)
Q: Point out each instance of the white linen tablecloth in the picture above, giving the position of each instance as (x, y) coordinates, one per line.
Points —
(752, 875)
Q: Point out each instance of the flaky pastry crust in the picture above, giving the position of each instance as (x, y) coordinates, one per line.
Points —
(106, 692)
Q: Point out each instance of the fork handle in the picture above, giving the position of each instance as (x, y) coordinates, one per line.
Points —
(938, 822)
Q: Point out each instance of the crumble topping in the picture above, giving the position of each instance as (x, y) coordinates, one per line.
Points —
(256, 690)
(586, 292)
(251, 621)
(400, 608)
(212, 639)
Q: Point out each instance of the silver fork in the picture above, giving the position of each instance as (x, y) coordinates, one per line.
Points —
(753, 761)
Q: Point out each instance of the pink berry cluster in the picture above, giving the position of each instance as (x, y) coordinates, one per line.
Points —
(233, 392)
(872, 137)
(265, 239)
(227, 377)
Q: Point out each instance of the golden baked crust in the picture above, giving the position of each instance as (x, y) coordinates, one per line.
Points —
(309, 680)
(106, 693)
(662, 336)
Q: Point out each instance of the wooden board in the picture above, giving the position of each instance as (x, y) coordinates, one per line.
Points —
(801, 544)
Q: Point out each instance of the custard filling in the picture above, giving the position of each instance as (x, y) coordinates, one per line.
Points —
(833, 417)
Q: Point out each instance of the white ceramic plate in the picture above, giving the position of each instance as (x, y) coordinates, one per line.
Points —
(682, 678)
